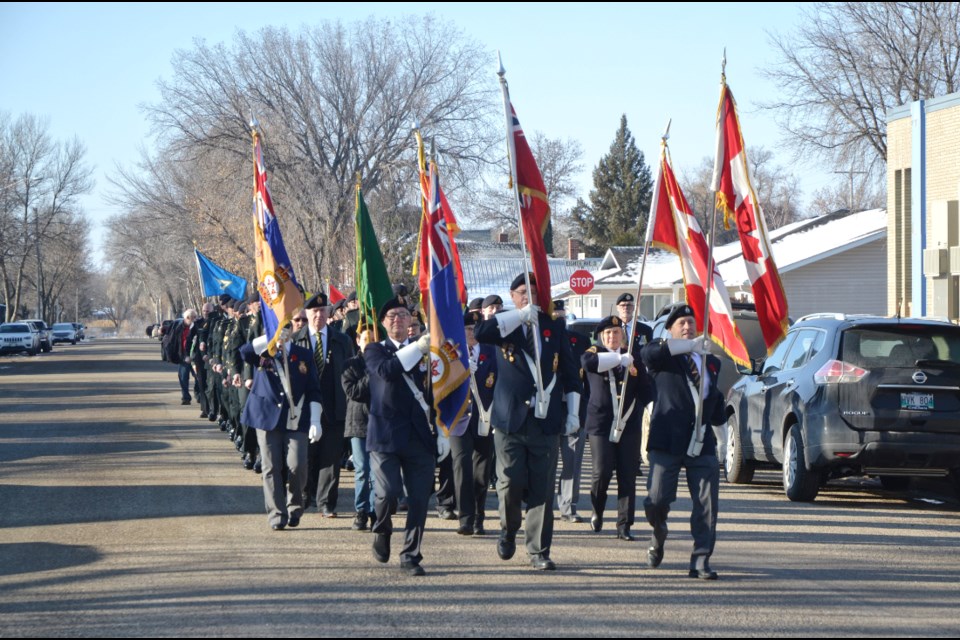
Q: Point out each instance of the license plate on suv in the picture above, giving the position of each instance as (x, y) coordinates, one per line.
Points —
(916, 401)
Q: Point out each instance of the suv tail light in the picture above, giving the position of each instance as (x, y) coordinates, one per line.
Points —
(837, 371)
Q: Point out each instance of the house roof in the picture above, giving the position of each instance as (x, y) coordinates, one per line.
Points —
(794, 245)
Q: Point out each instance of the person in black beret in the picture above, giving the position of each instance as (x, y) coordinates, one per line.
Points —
(571, 447)
(491, 306)
(528, 421)
(352, 316)
(330, 350)
(615, 375)
(641, 333)
(475, 305)
(678, 364)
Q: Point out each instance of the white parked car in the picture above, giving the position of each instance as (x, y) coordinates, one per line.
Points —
(19, 336)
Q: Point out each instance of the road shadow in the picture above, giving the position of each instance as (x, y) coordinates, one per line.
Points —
(32, 557)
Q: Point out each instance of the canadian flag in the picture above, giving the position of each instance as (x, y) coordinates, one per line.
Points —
(735, 195)
(673, 227)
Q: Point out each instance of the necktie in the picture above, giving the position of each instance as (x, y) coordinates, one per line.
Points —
(531, 337)
(693, 371)
(319, 355)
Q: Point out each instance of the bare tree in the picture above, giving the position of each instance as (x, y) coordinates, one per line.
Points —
(332, 101)
(851, 62)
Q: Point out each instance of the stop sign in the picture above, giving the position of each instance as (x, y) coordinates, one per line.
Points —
(581, 281)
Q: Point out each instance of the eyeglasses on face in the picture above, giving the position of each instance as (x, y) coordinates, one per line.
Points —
(393, 316)
(299, 320)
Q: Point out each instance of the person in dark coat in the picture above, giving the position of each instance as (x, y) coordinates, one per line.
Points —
(356, 385)
(677, 365)
(614, 376)
(284, 408)
(527, 425)
(401, 442)
(571, 447)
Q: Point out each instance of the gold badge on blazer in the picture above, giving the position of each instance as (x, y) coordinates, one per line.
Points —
(556, 362)
(490, 381)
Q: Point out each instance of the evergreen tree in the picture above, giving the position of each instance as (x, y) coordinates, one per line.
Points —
(620, 198)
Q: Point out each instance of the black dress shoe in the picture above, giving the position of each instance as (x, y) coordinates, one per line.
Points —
(258, 466)
(294, 521)
(212, 418)
(327, 513)
(654, 557)
(478, 530)
(381, 547)
(223, 425)
(247, 463)
(704, 574)
(412, 569)
(596, 523)
(623, 533)
(446, 514)
(571, 517)
(203, 415)
(465, 530)
(359, 521)
(506, 545)
(278, 527)
(542, 563)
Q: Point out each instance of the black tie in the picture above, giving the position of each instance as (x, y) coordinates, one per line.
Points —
(693, 371)
(318, 355)
(531, 338)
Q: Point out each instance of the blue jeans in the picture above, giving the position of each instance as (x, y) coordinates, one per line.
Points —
(363, 479)
(183, 372)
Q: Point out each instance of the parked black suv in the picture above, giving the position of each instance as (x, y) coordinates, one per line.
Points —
(850, 395)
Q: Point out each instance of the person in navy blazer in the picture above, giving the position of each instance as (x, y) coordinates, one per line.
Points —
(527, 439)
(400, 440)
(670, 444)
(281, 440)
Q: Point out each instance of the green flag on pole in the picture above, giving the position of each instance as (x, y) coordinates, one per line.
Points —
(373, 283)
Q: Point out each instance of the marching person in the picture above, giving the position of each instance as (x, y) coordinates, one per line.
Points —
(402, 446)
(284, 408)
(571, 447)
(181, 341)
(331, 350)
(614, 376)
(356, 385)
(527, 432)
(677, 365)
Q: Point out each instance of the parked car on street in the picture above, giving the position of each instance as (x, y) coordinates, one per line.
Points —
(847, 395)
(19, 336)
(46, 336)
(64, 332)
(79, 327)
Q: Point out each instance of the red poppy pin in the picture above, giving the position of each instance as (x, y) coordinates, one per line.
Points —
(293, 357)
(546, 335)
(573, 340)
(482, 358)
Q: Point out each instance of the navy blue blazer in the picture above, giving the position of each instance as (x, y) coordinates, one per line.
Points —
(339, 351)
(395, 414)
(266, 407)
(671, 424)
(486, 377)
(516, 387)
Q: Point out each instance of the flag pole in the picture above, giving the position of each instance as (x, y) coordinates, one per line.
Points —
(618, 426)
(700, 435)
(511, 160)
(196, 256)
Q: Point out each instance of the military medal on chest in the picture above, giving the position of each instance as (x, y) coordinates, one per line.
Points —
(490, 380)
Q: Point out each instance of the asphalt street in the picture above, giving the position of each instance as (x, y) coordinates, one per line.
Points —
(123, 514)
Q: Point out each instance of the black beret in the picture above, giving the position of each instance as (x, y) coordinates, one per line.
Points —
(224, 298)
(625, 297)
(242, 307)
(339, 304)
(400, 289)
(352, 296)
(475, 304)
(491, 300)
(316, 301)
(470, 318)
(236, 304)
(558, 305)
(520, 279)
(253, 297)
(679, 312)
(417, 316)
(392, 303)
(606, 323)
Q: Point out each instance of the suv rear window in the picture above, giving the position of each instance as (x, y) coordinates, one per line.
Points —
(900, 346)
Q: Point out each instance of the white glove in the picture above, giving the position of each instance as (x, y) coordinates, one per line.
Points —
(607, 360)
(679, 346)
(528, 314)
(443, 446)
(507, 322)
(410, 356)
(316, 431)
(573, 413)
(423, 343)
(701, 345)
(473, 366)
(626, 360)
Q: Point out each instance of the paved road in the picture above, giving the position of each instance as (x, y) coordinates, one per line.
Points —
(121, 513)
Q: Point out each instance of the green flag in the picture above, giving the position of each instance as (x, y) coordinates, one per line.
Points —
(373, 283)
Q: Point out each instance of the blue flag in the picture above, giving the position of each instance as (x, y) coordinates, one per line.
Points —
(216, 280)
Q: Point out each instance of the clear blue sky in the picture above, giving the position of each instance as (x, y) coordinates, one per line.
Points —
(573, 68)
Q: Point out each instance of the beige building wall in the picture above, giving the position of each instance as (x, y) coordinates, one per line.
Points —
(856, 283)
(942, 186)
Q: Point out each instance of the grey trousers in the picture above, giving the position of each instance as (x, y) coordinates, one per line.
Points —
(408, 471)
(571, 461)
(703, 482)
(283, 499)
(526, 471)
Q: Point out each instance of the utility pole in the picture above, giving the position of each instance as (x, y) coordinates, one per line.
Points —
(851, 173)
